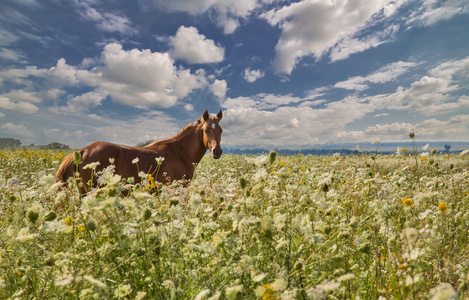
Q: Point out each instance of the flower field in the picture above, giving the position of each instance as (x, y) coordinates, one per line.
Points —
(247, 227)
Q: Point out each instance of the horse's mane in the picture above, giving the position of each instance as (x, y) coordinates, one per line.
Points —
(184, 131)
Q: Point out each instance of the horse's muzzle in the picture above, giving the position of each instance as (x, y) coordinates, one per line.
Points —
(217, 152)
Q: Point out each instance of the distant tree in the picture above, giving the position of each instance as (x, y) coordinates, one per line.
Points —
(9, 143)
(55, 145)
(146, 143)
(447, 147)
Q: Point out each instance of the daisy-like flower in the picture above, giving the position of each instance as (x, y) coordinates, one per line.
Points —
(407, 202)
(442, 207)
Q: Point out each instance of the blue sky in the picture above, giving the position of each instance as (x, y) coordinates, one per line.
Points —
(284, 73)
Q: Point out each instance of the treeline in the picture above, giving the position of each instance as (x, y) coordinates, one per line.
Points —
(15, 143)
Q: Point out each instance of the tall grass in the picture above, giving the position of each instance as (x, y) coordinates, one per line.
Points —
(247, 227)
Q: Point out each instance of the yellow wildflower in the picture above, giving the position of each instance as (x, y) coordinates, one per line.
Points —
(68, 221)
(407, 202)
(268, 293)
(442, 207)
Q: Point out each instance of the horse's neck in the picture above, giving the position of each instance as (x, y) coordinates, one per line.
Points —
(189, 143)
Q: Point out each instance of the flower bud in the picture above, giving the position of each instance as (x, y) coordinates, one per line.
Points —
(242, 182)
(32, 215)
(272, 156)
(146, 214)
(50, 216)
(91, 225)
(77, 157)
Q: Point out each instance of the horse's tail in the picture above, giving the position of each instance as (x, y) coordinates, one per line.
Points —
(66, 169)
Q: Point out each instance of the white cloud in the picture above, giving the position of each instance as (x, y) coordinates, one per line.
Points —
(218, 88)
(227, 13)
(138, 78)
(432, 94)
(23, 96)
(82, 102)
(249, 122)
(189, 107)
(8, 54)
(349, 45)
(387, 73)
(194, 48)
(105, 21)
(7, 38)
(17, 129)
(252, 75)
(430, 129)
(261, 101)
(313, 27)
(430, 12)
(19, 106)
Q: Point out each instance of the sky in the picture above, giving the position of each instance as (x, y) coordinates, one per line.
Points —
(286, 74)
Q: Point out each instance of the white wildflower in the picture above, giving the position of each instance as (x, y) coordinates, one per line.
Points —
(25, 236)
(327, 286)
(425, 148)
(279, 284)
(135, 160)
(168, 284)
(92, 166)
(346, 277)
(317, 294)
(444, 291)
(216, 296)
(410, 234)
(195, 201)
(123, 290)
(13, 181)
(47, 180)
(141, 295)
(232, 291)
(64, 280)
(259, 277)
(202, 294)
(94, 282)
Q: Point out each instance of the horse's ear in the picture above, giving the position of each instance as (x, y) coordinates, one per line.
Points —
(206, 115)
(220, 115)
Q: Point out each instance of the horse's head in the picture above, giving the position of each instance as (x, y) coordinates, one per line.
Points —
(212, 133)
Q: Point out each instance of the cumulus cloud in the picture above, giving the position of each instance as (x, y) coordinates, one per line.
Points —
(19, 106)
(313, 27)
(430, 129)
(218, 88)
(194, 48)
(138, 78)
(227, 14)
(261, 120)
(431, 94)
(387, 73)
(252, 75)
(17, 129)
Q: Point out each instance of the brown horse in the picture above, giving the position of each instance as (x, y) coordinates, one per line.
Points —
(181, 153)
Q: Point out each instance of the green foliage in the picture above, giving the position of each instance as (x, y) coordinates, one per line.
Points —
(301, 227)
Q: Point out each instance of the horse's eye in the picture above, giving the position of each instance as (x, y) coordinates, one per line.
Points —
(206, 131)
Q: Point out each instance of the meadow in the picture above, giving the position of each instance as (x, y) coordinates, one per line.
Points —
(365, 226)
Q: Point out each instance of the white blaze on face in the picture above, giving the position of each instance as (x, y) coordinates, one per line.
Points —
(213, 125)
